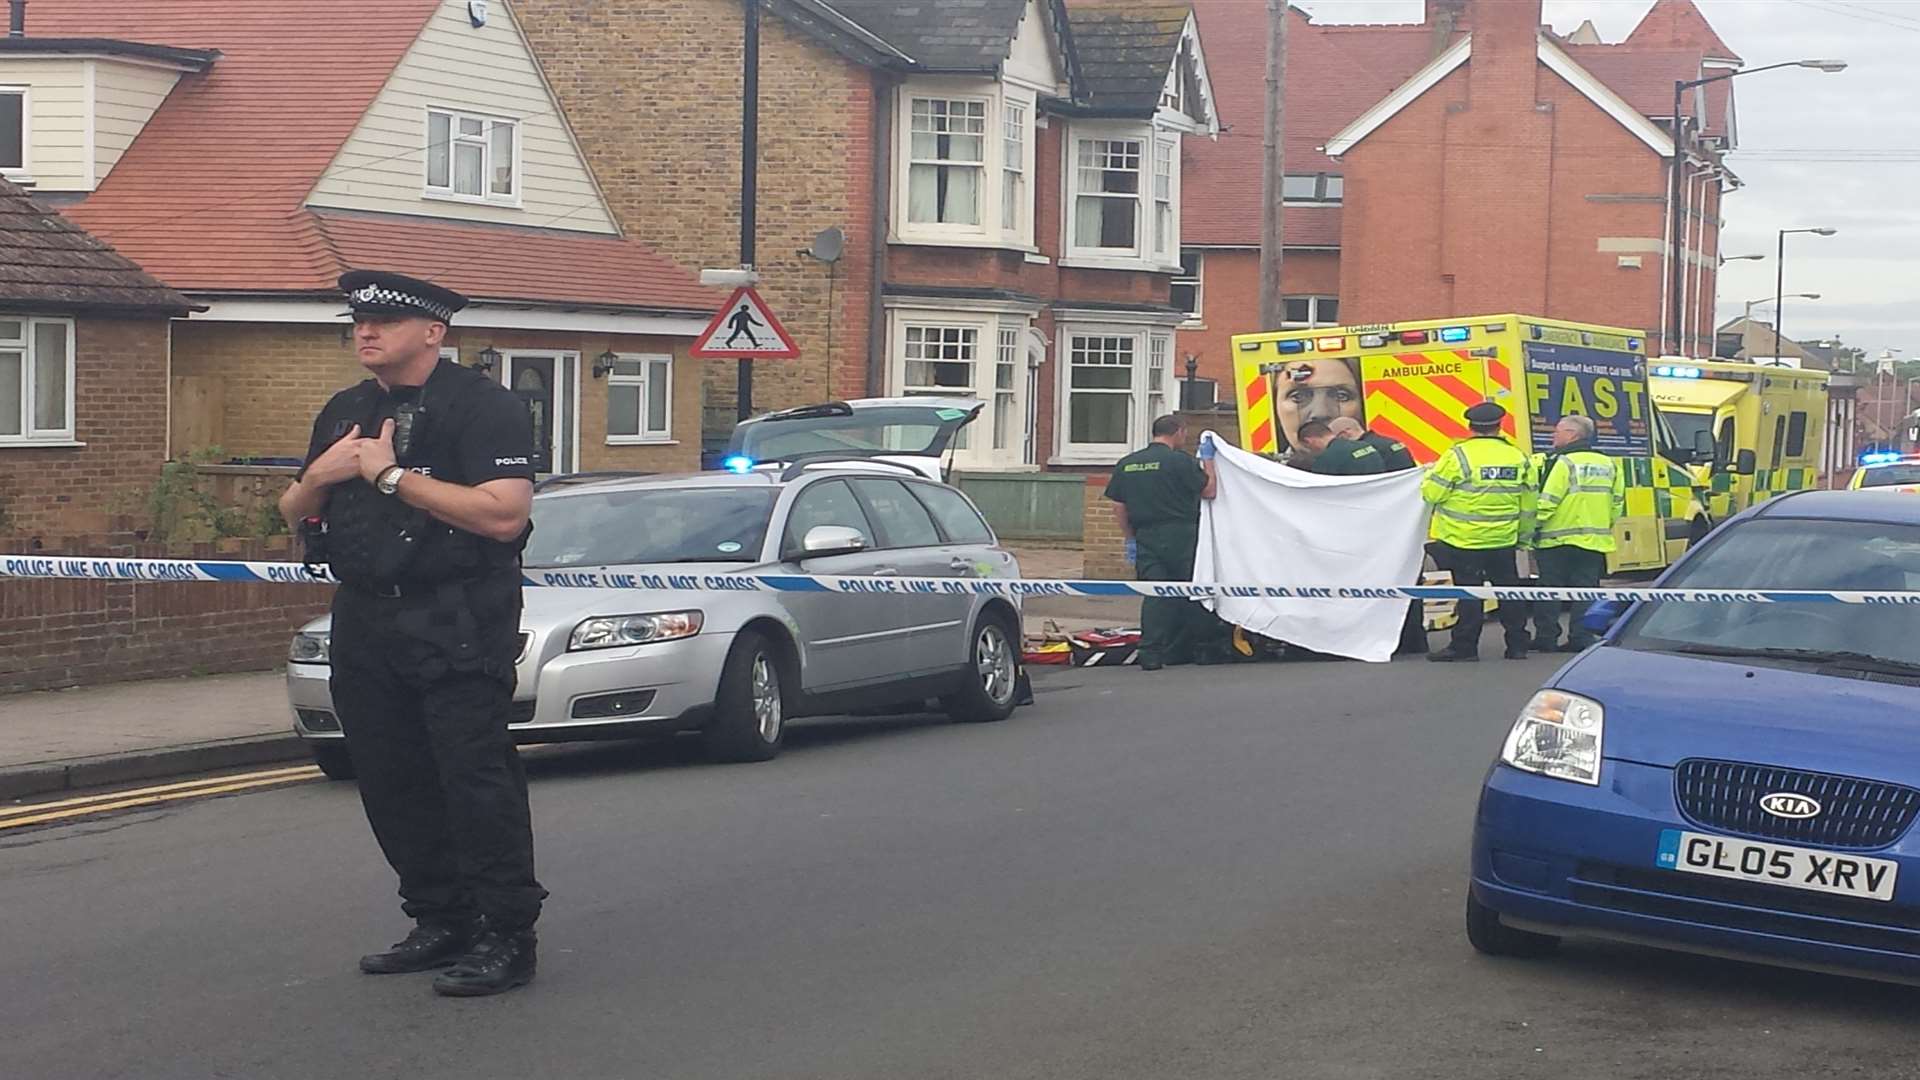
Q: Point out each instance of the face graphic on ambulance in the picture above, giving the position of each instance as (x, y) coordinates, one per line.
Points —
(1315, 390)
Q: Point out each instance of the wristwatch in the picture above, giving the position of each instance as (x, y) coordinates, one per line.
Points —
(388, 482)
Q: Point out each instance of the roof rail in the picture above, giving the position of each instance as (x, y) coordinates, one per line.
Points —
(571, 479)
(799, 463)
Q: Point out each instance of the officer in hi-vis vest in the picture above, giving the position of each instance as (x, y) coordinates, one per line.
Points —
(1483, 497)
(1582, 493)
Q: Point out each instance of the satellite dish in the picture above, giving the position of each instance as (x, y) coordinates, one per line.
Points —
(829, 245)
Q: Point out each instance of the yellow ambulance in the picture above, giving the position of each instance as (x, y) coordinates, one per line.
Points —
(1752, 432)
(1413, 380)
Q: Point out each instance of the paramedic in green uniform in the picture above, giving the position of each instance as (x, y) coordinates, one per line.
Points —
(1156, 494)
(1337, 449)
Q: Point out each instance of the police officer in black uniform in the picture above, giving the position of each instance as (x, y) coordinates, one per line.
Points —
(416, 492)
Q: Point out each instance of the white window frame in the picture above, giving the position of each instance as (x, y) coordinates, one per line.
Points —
(1314, 320)
(486, 197)
(1165, 196)
(25, 94)
(649, 363)
(1147, 341)
(65, 435)
(989, 330)
(1197, 317)
(1145, 255)
(995, 168)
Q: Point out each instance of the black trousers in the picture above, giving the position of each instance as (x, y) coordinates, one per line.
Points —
(1172, 630)
(1565, 568)
(423, 686)
(1483, 566)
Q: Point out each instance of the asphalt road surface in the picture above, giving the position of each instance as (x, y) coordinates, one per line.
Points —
(1247, 872)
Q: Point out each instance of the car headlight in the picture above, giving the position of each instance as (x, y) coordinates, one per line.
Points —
(1558, 734)
(311, 647)
(614, 631)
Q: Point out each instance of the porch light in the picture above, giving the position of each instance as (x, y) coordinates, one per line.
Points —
(603, 364)
(488, 359)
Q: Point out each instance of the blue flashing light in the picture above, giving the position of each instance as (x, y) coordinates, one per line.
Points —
(739, 463)
(1633, 344)
(1454, 334)
(1675, 371)
(1879, 457)
(1296, 346)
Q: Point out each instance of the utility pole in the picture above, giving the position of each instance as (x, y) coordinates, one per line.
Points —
(749, 174)
(1272, 230)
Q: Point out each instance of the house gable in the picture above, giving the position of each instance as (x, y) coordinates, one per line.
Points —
(488, 72)
(1034, 57)
(1550, 54)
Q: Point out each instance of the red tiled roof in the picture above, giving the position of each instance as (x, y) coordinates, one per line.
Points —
(210, 195)
(1678, 23)
(509, 263)
(1644, 78)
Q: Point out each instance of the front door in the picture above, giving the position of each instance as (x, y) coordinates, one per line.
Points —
(545, 382)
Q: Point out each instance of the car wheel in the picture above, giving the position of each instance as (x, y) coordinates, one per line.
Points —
(993, 677)
(333, 760)
(1490, 936)
(750, 710)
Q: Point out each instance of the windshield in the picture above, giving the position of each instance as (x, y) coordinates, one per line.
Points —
(1889, 475)
(1686, 428)
(660, 525)
(902, 429)
(1792, 554)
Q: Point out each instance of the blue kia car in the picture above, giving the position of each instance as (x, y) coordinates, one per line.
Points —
(1738, 779)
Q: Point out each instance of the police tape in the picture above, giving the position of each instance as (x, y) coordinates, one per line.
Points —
(211, 570)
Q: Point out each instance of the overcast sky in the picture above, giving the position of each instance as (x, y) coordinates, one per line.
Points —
(1839, 151)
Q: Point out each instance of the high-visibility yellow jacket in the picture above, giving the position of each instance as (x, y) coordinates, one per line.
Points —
(1482, 493)
(1584, 494)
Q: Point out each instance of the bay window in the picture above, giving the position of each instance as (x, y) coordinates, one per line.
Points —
(1123, 196)
(36, 380)
(1115, 380)
(964, 164)
(969, 354)
(948, 155)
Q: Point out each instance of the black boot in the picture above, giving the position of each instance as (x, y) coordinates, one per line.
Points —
(1451, 656)
(497, 963)
(429, 946)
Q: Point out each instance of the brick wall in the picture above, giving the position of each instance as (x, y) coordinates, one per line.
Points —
(276, 378)
(120, 414)
(1230, 304)
(1492, 193)
(653, 93)
(70, 633)
(1103, 547)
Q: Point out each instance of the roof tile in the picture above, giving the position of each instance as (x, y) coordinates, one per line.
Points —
(47, 261)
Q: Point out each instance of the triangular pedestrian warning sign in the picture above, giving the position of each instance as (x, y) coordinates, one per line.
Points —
(745, 329)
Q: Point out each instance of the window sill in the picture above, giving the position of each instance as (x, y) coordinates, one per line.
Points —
(11, 443)
(1197, 324)
(471, 200)
(979, 243)
(1074, 458)
(641, 440)
(1104, 262)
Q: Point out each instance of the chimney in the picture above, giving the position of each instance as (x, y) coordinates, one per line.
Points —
(1445, 17)
(17, 19)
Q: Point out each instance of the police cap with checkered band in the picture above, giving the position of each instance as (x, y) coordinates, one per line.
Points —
(382, 292)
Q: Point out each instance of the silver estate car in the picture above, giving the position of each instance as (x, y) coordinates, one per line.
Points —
(737, 665)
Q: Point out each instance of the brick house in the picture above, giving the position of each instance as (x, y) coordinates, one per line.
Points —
(1471, 163)
(247, 160)
(83, 378)
(1007, 174)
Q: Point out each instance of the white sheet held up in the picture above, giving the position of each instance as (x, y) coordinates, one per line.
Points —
(1270, 524)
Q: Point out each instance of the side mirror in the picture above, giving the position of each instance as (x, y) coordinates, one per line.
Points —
(1746, 463)
(1703, 446)
(824, 540)
(1602, 614)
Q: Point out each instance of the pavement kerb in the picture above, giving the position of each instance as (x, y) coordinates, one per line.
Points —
(44, 777)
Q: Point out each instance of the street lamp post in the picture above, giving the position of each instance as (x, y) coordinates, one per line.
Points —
(1751, 304)
(1677, 251)
(1780, 280)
